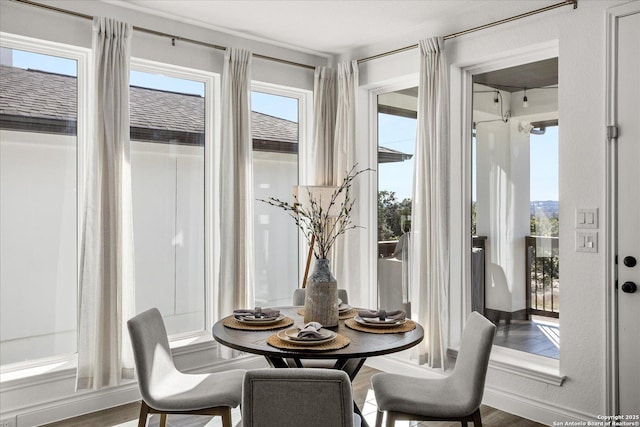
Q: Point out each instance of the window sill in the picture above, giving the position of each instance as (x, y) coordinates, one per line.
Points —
(59, 367)
(47, 369)
(536, 367)
(528, 365)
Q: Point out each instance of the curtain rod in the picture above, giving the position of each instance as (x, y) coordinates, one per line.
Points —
(474, 29)
(161, 34)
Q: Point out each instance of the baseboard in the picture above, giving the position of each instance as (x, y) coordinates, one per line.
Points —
(78, 405)
(35, 412)
(542, 412)
(523, 406)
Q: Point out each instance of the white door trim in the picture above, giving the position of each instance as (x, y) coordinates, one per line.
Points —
(611, 309)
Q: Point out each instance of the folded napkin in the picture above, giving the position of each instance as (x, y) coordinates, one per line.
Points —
(383, 314)
(257, 313)
(311, 330)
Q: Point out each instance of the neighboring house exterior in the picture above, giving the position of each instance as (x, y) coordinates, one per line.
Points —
(38, 101)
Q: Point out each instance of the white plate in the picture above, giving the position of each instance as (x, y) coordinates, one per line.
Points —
(260, 320)
(342, 308)
(291, 335)
(377, 323)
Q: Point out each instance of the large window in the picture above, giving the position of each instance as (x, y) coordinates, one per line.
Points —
(43, 129)
(40, 127)
(275, 134)
(168, 134)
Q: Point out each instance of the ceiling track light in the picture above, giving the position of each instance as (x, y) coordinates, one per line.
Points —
(525, 101)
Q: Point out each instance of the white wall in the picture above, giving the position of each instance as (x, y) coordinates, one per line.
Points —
(47, 25)
(496, 216)
(168, 222)
(38, 244)
(38, 228)
(579, 36)
(276, 239)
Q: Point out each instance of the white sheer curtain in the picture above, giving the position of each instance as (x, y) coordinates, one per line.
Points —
(346, 251)
(324, 119)
(106, 254)
(429, 251)
(235, 286)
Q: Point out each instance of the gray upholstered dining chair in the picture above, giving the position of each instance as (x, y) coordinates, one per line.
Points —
(454, 398)
(299, 294)
(297, 397)
(166, 390)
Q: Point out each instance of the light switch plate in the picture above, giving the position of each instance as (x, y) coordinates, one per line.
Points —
(587, 241)
(587, 218)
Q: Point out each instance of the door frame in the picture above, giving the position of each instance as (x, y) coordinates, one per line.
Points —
(611, 119)
(461, 80)
(371, 93)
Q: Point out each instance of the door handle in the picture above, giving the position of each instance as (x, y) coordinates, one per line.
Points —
(629, 287)
(629, 261)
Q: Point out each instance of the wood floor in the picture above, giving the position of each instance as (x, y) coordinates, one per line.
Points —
(538, 337)
(127, 415)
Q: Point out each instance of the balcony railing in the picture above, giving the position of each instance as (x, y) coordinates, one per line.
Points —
(542, 276)
(542, 273)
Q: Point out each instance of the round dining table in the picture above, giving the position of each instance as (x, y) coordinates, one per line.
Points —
(350, 358)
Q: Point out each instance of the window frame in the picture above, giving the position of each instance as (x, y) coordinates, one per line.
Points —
(373, 144)
(83, 58)
(211, 83)
(504, 359)
(305, 118)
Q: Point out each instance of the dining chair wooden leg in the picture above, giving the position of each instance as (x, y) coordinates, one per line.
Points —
(379, 416)
(144, 412)
(464, 423)
(477, 419)
(391, 419)
(163, 420)
(226, 417)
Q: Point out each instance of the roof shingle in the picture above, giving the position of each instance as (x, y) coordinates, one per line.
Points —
(31, 93)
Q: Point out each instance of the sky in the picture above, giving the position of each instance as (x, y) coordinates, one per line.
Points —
(544, 165)
(394, 132)
(397, 133)
(48, 63)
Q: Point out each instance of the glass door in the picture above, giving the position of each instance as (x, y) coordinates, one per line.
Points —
(397, 119)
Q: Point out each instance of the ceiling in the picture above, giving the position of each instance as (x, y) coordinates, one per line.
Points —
(333, 26)
(513, 79)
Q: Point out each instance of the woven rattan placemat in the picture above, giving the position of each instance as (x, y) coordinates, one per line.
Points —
(407, 326)
(233, 323)
(341, 316)
(340, 342)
